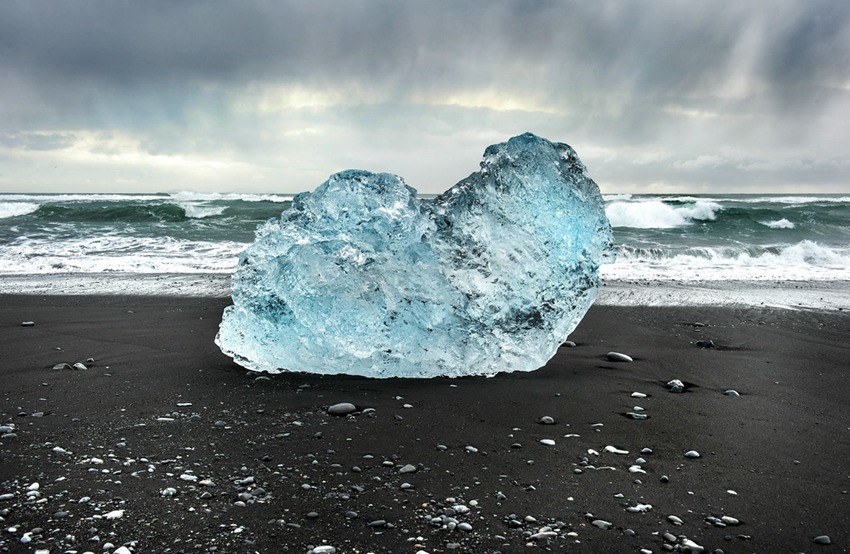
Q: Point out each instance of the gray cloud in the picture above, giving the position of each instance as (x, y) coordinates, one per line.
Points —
(186, 79)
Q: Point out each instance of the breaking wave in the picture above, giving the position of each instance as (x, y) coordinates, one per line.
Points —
(655, 214)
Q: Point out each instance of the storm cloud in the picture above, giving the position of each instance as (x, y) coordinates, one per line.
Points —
(269, 96)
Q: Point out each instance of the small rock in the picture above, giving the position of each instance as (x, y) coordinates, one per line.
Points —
(705, 343)
(63, 366)
(676, 386)
(638, 395)
(601, 523)
(675, 520)
(409, 468)
(568, 344)
(639, 508)
(79, 365)
(547, 420)
(325, 549)
(731, 392)
(618, 357)
(27, 323)
(692, 454)
(343, 408)
(377, 523)
(547, 442)
(690, 546)
(822, 539)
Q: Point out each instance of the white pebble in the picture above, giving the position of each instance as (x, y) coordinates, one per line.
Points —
(615, 450)
(639, 508)
(114, 514)
(619, 357)
(692, 454)
(547, 442)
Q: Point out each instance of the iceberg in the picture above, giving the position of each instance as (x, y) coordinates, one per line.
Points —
(363, 277)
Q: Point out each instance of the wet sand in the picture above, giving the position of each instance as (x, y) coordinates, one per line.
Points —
(187, 452)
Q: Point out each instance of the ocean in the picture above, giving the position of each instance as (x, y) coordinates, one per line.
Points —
(189, 242)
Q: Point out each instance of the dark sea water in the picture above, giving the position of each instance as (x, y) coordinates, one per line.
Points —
(697, 239)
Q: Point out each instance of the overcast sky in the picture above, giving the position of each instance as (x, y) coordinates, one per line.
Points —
(274, 96)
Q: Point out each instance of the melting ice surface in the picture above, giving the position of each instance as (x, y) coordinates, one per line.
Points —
(362, 277)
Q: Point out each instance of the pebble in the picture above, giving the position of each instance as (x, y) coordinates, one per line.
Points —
(618, 357)
(706, 343)
(408, 468)
(547, 442)
(601, 523)
(79, 365)
(676, 386)
(27, 323)
(615, 450)
(638, 416)
(122, 550)
(568, 344)
(63, 365)
(731, 392)
(675, 520)
(638, 395)
(343, 408)
(547, 420)
(690, 546)
(822, 539)
(692, 454)
(639, 508)
(323, 550)
(378, 523)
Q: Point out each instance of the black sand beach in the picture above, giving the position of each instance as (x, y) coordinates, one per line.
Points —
(164, 445)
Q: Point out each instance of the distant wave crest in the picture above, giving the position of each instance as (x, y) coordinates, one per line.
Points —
(15, 209)
(655, 214)
(778, 224)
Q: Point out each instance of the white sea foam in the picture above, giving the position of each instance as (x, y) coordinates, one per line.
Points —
(15, 209)
(805, 260)
(655, 214)
(200, 210)
(779, 224)
(65, 198)
(118, 254)
(190, 196)
(794, 199)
